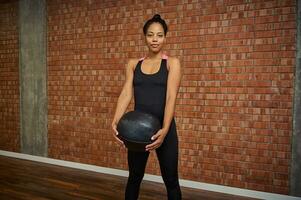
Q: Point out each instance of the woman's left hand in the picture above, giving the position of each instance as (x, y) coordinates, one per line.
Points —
(158, 139)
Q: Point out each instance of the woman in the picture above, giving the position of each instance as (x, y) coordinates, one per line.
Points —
(155, 81)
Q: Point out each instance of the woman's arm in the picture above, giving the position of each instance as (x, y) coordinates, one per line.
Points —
(173, 84)
(125, 96)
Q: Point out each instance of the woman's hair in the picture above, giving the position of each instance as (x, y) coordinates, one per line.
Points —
(156, 19)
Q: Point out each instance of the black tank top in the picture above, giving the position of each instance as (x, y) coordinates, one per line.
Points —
(150, 90)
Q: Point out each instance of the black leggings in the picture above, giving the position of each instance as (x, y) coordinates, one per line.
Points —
(167, 155)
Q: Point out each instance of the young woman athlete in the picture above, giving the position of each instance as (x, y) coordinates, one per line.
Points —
(154, 80)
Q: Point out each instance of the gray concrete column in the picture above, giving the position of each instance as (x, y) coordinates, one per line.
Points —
(295, 179)
(33, 76)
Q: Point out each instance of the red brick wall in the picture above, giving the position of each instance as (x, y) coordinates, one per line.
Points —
(234, 110)
(9, 77)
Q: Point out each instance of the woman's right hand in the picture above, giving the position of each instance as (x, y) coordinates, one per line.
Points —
(115, 133)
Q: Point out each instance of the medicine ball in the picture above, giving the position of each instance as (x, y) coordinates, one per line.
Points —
(136, 128)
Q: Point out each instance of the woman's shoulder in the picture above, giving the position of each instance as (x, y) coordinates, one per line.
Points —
(132, 62)
(173, 59)
(173, 62)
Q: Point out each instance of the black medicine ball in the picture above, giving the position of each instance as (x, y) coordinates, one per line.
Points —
(136, 128)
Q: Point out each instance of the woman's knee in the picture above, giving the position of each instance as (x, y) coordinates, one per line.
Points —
(135, 177)
(171, 181)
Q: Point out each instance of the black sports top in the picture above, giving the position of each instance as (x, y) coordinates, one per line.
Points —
(150, 90)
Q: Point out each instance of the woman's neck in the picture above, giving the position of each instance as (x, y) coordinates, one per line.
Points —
(154, 56)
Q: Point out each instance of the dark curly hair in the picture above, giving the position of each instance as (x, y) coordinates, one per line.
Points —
(156, 19)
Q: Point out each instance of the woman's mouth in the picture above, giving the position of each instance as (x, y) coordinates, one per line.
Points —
(154, 45)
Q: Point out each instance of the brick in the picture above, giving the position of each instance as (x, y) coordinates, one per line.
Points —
(234, 107)
(9, 78)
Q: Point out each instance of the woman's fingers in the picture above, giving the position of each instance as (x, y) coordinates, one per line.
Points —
(158, 140)
(120, 141)
(153, 145)
(114, 127)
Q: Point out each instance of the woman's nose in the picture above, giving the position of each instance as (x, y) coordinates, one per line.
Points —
(155, 38)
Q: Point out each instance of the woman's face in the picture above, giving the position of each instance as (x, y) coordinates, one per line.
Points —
(155, 37)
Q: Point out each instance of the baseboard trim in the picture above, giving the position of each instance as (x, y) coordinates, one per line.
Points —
(155, 178)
